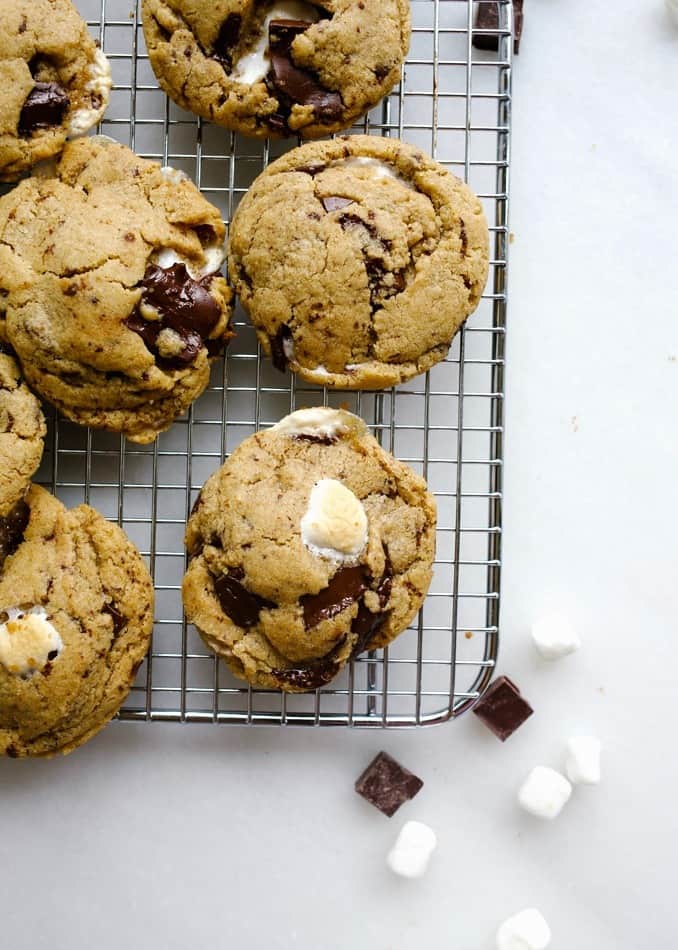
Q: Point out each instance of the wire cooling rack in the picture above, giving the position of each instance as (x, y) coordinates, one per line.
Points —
(454, 102)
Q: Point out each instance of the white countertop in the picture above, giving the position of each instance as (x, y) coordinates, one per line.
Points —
(184, 837)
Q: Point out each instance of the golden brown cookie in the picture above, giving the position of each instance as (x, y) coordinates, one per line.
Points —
(22, 431)
(112, 298)
(54, 81)
(286, 67)
(358, 260)
(76, 613)
(310, 545)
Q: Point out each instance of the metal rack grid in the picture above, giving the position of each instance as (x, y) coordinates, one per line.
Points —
(454, 102)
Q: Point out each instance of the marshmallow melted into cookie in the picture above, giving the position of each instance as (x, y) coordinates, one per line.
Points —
(29, 643)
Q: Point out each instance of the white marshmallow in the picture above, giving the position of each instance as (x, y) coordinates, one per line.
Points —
(554, 637)
(582, 764)
(335, 523)
(253, 66)
(544, 792)
(26, 640)
(213, 258)
(411, 853)
(672, 7)
(320, 421)
(524, 931)
(99, 83)
(173, 175)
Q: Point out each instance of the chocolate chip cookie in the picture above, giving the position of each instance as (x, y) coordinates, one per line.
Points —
(310, 545)
(358, 260)
(22, 430)
(76, 612)
(109, 288)
(283, 67)
(54, 81)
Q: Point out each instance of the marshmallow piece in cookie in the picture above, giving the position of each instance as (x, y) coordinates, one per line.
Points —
(544, 793)
(554, 637)
(411, 853)
(335, 523)
(99, 86)
(28, 641)
(320, 423)
(524, 931)
(582, 764)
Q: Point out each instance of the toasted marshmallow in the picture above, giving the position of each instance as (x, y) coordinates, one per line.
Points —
(320, 422)
(544, 793)
(554, 637)
(524, 931)
(28, 641)
(411, 853)
(582, 764)
(335, 523)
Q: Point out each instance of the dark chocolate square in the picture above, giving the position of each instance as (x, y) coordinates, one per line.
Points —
(387, 785)
(502, 708)
(487, 18)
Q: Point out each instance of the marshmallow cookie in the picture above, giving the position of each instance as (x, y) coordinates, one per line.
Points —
(54, 81)
(22, 430)
(110, 291)
(358, 260)
(76, 612)
(277, 68)
(310, 545)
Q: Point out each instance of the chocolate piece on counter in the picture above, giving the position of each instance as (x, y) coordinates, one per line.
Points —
(119, 619)
(502, 708)
(387, 785)
(44, 108)
(184, 305)
(238, 603)
(334, 202)
(278, 355)
(12, 528)
(344, 588)
(227, 39)
(487, 18)
(297, 84)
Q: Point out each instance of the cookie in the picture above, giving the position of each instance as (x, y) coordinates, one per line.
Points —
(54, 81)
(22, 431)
(76, 612)
(112, 297)
(281, 68)
(310, 545)
(358, 260)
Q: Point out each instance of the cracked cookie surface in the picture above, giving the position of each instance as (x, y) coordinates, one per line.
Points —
(110, 292)
(280, 68)
(54, 81)
(283, 610)
(22, 431)
(76, 612)
(358, 260)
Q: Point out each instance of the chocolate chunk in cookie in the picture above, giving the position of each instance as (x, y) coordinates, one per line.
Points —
(45, 107)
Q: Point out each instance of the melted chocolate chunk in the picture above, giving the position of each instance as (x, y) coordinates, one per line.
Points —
(382, 283)
(238, 603)
(345, 587)
(313, 169)
(319, 439)
(334, 202)
(277, 122)
(487, 18)
(387, 785)
(366, 624)
(52, 655)
(45, 107)
(119, 619)
(308, 678)
(298, 85)
(228, 37)
(502, 708)
(278, 354)
(12, 528)
(463, 237)
(184, 306)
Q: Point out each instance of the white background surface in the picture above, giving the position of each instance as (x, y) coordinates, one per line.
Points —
(185, 837)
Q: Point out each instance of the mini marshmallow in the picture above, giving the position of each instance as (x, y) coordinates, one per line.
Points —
(672, 7)
(582, 764)
(554, 637)
(335, 523)
(524, 931)
(28, 641)
(411, 853)
(544, 792)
